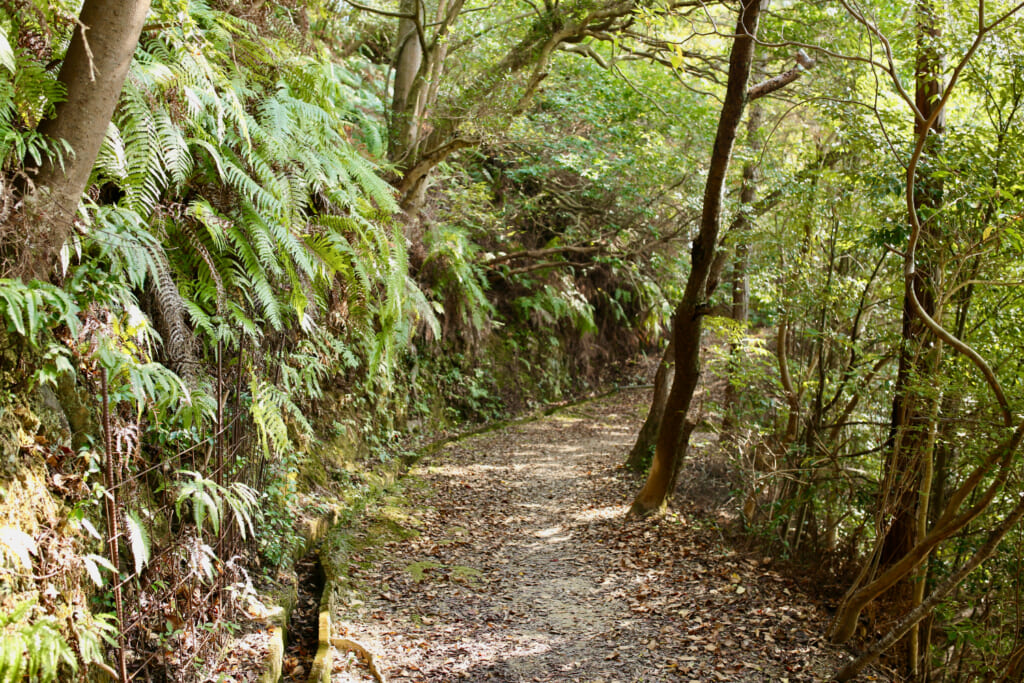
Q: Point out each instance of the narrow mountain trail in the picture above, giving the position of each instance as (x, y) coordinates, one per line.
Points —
(523, 569)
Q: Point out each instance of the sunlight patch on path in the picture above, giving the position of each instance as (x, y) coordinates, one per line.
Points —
(562, 589)
(601, 514)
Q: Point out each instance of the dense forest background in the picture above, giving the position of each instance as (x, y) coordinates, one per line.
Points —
(254, 253)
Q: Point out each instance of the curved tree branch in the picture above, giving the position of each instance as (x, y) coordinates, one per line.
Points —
(915, 231)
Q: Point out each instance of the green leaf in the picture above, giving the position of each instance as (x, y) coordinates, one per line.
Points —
(139, 541)
(91, 529)
(93, 563)
(6, 53)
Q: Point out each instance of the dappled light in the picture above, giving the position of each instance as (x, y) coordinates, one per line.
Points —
(574, 341)
(601, 514)
(561, 590)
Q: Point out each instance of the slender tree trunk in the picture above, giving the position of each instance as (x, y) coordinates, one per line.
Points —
(740, 310)
(945, 450)
(922, 609)
(909, 422)
(909, 461)
(994, 469)
(688, 319)
(424, 131)
(93, 73)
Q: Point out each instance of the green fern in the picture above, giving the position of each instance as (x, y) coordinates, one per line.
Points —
(210, 502)
(28, 94)
(258, 154)
(32, 648)
(138, 540)
(29, 309)
(461, 282)
(7, 59)
(274, 414)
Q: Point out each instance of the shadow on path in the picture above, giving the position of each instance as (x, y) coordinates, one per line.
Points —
(523, 570)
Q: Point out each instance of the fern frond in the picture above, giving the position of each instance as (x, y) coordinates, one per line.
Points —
(179, 339)
(260, 236)
(257, 290)
(174, 150)
(138, 540)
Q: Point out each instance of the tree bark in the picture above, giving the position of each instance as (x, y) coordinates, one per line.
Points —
(909, 462)
(688, 318)
(648, 436)
(407, 64)
(93, 73)
(925, 607)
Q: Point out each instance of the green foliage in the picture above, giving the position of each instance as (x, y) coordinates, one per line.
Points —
(33, 647)
(553, 303)
(150, 387)
(28, 94)
(238, 202)
(138, 540)
(209, 502)
(33, 308)
(271, 409)
(32, 312)
(6, 52)
(93, 563)
(460, 280)
(36, 651)
(470, 393)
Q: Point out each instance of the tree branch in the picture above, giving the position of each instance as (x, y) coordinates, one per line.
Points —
(382, 12)
(766, 87)
(986, 551)
(586, 51)
(540, 253)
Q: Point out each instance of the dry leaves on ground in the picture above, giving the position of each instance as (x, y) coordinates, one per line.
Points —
(524, 570)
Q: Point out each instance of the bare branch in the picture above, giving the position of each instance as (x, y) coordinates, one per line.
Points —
(539, 253)
(586, 51)
(547, 264)
(382, 12)
(803, 63)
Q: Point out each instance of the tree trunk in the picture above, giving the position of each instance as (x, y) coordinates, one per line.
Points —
(407, 64)
(909, 462)
(93, 73)
(648, 437)
(740, 310)
(944, 588)
(909, 420)
(423, 132)
(688, 319)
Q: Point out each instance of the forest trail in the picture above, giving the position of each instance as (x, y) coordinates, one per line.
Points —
(524, 570)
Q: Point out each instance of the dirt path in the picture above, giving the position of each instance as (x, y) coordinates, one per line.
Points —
(523, 570)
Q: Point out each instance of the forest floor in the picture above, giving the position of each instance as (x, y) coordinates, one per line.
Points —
(522, 568)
